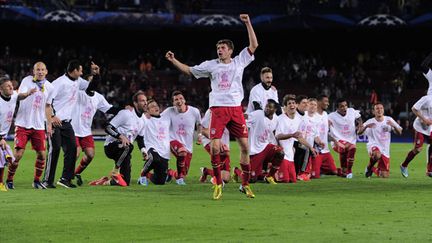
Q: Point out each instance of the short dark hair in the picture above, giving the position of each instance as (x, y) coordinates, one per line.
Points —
(299, 98)
(175, 93)
(321, 97)
(73, 65)
(4, 79)
(135, 96)
(340, 100)
(272, 101)
(287, 98)
(229, 43)
(151, 101)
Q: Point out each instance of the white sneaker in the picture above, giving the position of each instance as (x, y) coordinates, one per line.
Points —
(181, 182)
(404, 171)
(143, 181)
(349, 176)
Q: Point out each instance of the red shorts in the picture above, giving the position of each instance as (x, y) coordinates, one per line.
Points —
(37, 138)
(384, 162)
(230, 117)
(267, 155)
(286, 172)
(323, 164)
(177, 148)
(344, 149)
(225, 158)
(419, 139)
(85, 142)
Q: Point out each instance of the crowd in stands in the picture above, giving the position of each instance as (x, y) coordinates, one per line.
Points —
(363, 77)
(404, 8)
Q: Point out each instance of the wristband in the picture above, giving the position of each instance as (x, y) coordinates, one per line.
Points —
(143, 150)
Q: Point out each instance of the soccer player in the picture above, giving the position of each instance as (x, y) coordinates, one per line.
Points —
(30, 124)
(423, 128)
(8, 100)
(184, 119)
(225, 75)
(157, 142)
(59, 106)
(89, 101)
(263, 148)
(262, 92)
(300, 150)
(287, 130)
(123, 129)
(309, 132)
(343, 126)
(224, 153)
(378, 130)
(324, 162)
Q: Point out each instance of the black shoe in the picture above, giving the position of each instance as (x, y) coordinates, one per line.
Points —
(79, 180)
(48, 185)
(65, 183)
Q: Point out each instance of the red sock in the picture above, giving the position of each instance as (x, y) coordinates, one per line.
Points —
(216, 164)
(246, 168)
(83, 164)
(1, 174)
(343, 160)
(12, 169)
(410, 156)
(180, 167)
(208, 172)
(39, 167)
(350, 159)
(238, 172)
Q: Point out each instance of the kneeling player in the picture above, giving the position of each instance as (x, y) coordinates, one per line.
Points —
(157, 142)
(378, 131)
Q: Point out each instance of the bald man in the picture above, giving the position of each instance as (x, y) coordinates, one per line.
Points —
(30, 123)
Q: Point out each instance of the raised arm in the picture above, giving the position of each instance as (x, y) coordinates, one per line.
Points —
(253, 42)
(179, 65)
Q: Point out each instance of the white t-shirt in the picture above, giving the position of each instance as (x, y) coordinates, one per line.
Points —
(31, 111)
(129, 124)
(261, 131)
(7, 109)
(343, 127)
(287, 125)
(225, 79)
(424, 106)
(309, 128)
(183, 124)
(157, 135)
(428, 76)
(84, 111)
(380, 135)
(323, 129)
(261, 95)
(65, 95)
(205, 123)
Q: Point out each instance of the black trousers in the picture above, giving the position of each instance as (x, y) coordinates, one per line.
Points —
(301, 156)
(62, 137)
(122, 158)
(159, 165)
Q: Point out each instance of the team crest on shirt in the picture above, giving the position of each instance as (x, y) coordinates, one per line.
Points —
(181, 130)
(37, 102)
(213, 131)
(224, 83)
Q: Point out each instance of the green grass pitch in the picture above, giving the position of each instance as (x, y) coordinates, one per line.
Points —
(330, 209)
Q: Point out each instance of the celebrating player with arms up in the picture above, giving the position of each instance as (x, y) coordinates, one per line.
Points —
(226, 75)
